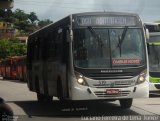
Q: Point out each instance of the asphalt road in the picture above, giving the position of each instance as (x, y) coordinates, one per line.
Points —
(26, 108)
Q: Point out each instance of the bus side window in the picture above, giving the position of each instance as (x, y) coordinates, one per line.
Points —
(40, 53)
(44, 50)
(46, 46)
(35, 49)
(65, 45)
(30, 54)
(49, 50)
(58, 45)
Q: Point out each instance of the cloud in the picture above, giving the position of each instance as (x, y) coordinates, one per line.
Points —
(55, 10)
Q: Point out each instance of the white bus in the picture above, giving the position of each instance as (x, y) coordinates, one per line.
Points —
(154, 57)
(90, 56)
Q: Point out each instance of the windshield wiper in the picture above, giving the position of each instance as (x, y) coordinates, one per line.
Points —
(97, 37)
(121, 39)
(155, 53)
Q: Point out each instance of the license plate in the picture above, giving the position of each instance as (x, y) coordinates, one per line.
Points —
(112, 91)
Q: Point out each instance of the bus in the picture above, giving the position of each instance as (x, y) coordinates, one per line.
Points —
(90, 56)
(152, 27)
(154, 57)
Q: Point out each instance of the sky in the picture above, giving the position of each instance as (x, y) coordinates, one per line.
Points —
(148, 10)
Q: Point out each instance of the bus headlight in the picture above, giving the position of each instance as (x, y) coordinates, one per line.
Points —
(80, 79)
(142, 77)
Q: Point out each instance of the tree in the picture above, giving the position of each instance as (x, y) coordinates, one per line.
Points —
(25, 23)
(4, 47)
(43, 23)
(33, 17)
(21, 20)
(2, 14)
(6, 15)
(17, 49)
(23, 26)
(9, 48)
(20, 15)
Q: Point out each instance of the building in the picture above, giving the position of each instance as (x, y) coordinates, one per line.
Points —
(6, 30)
(23, 39)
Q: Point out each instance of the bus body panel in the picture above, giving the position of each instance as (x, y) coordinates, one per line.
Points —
(44, 76)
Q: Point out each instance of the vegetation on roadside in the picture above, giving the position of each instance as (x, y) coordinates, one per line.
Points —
(24, 23)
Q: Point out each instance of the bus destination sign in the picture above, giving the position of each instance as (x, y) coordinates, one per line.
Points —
(106, 20)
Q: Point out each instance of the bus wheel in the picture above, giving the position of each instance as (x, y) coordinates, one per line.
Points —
(126, 103)
(44, 98)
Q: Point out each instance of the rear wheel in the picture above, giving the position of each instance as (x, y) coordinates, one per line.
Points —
(126, 103)
(44, 98)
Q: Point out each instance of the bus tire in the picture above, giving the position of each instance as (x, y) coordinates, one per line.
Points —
(126, 103)
(44, 98)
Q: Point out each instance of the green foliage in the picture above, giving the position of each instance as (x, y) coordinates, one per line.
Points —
(14, 40)
(6, 15)
(28, 23)
(11, 48)
(33, 17)
(25, 23)
(157, 21)
(20, 15)
(21, 21)
(4, 47)
(43, 23)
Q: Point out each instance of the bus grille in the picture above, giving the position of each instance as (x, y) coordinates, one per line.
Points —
(104, 94)
(101, 76)
(115, 86)
(118, 84)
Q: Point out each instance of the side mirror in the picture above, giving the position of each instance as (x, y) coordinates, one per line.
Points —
(147, 34)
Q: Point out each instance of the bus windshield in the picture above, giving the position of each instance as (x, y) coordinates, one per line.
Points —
(154, 57)
(108, 47)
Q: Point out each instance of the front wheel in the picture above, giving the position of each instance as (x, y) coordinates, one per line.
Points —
(126, 103)
(44, 98)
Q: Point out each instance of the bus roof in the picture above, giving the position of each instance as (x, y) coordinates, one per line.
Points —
(106, 13)
(88, 13)
(149, 23)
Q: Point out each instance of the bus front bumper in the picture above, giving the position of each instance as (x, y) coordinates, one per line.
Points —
(80, 92)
